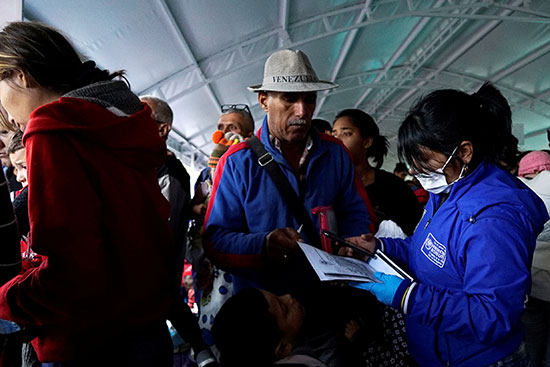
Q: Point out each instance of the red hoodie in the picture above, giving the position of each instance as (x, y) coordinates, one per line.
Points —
(99, 218)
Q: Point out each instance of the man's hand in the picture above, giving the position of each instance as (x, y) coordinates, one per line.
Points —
(281, 245)
(200, 209)
(366, 241)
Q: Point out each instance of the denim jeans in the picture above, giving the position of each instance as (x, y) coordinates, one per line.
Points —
(536, 319)
(517, 359)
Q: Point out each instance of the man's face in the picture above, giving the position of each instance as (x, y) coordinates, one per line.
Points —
(235, 123)
(288, 114)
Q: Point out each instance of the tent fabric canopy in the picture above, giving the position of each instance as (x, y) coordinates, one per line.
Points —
(384, 54)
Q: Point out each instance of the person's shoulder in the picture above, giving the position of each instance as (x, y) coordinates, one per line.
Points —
(500, 194)
(173, 162)
(330, 141)
(238, 151)
(237, 156)
(175, 168)
(334, 146)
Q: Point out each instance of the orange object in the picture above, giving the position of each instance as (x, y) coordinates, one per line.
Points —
(217, 136)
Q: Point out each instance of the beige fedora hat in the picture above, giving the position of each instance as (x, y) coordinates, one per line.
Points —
(290, 71)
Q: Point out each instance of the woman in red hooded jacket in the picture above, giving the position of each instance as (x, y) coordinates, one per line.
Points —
(96, 213)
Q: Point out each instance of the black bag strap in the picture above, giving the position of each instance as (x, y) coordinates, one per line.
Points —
(265, 159)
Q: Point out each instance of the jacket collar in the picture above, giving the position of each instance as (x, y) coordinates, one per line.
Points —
(316, 150)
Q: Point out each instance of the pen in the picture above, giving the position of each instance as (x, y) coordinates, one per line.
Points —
(335, 237)
(300, 228)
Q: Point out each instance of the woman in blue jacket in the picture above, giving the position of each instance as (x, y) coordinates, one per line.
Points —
(471, 252)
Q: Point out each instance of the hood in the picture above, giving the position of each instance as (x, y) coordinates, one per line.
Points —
(107, 114)
(494, 186)
(541, 186)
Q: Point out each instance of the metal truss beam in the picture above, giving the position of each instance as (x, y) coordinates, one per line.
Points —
(442, 37)
(532, 56)
(526, 102)
(196, 69)
(344, 51)
(187, 151)
(362, 80)
(256, 49)
(400, 50)
(284, 37)
(480, 34)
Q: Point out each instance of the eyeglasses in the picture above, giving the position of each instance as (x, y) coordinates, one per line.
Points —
(235, 107)
(441, 170)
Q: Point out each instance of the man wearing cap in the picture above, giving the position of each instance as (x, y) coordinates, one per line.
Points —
(250, 229)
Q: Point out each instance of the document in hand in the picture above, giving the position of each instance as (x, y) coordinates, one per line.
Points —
(334, 267)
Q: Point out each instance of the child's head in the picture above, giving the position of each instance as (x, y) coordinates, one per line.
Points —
(256, 328)
(16, 151)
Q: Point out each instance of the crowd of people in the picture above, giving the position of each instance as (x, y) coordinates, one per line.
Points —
(98, 222)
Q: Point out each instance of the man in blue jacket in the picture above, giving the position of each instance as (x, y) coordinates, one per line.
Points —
(250, 229)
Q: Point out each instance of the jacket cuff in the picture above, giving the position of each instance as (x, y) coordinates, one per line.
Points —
(409, 298)
(379, 245)
(400, 294)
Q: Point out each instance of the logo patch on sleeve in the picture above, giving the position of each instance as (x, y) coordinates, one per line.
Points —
(434, 251)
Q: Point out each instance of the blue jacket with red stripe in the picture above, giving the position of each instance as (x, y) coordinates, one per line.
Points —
(471, 257)
(245, 205)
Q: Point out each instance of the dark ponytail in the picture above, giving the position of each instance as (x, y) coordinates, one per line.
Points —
(443, 119)
(48, 57)
(378, 150)
(501, 146)
(368, 128)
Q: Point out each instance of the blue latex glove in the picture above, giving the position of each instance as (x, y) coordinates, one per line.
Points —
(390, 292)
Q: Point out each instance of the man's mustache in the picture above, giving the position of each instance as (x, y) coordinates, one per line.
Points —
(297, 122)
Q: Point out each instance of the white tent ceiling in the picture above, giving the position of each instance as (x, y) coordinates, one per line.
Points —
(384, 54)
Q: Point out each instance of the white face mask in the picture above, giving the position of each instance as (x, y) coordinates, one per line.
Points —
(436, 182)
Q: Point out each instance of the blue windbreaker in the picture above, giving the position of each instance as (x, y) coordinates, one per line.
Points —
(471, 260)
(245, 205)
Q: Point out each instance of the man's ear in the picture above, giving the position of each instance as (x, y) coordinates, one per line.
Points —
(164, 129)
(262, 99)
(466, 151)
(283, 349)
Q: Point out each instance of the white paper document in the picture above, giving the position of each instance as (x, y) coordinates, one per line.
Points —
(334, 267)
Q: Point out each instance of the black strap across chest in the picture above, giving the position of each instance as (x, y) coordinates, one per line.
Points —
(265, 159)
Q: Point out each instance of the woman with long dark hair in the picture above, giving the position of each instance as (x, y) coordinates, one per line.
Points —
(471, 253)
(391, 197)
(101, 295)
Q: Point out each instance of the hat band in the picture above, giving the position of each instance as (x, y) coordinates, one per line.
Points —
(291, 79)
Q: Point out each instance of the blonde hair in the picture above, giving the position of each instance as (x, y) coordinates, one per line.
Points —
(4, 122)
